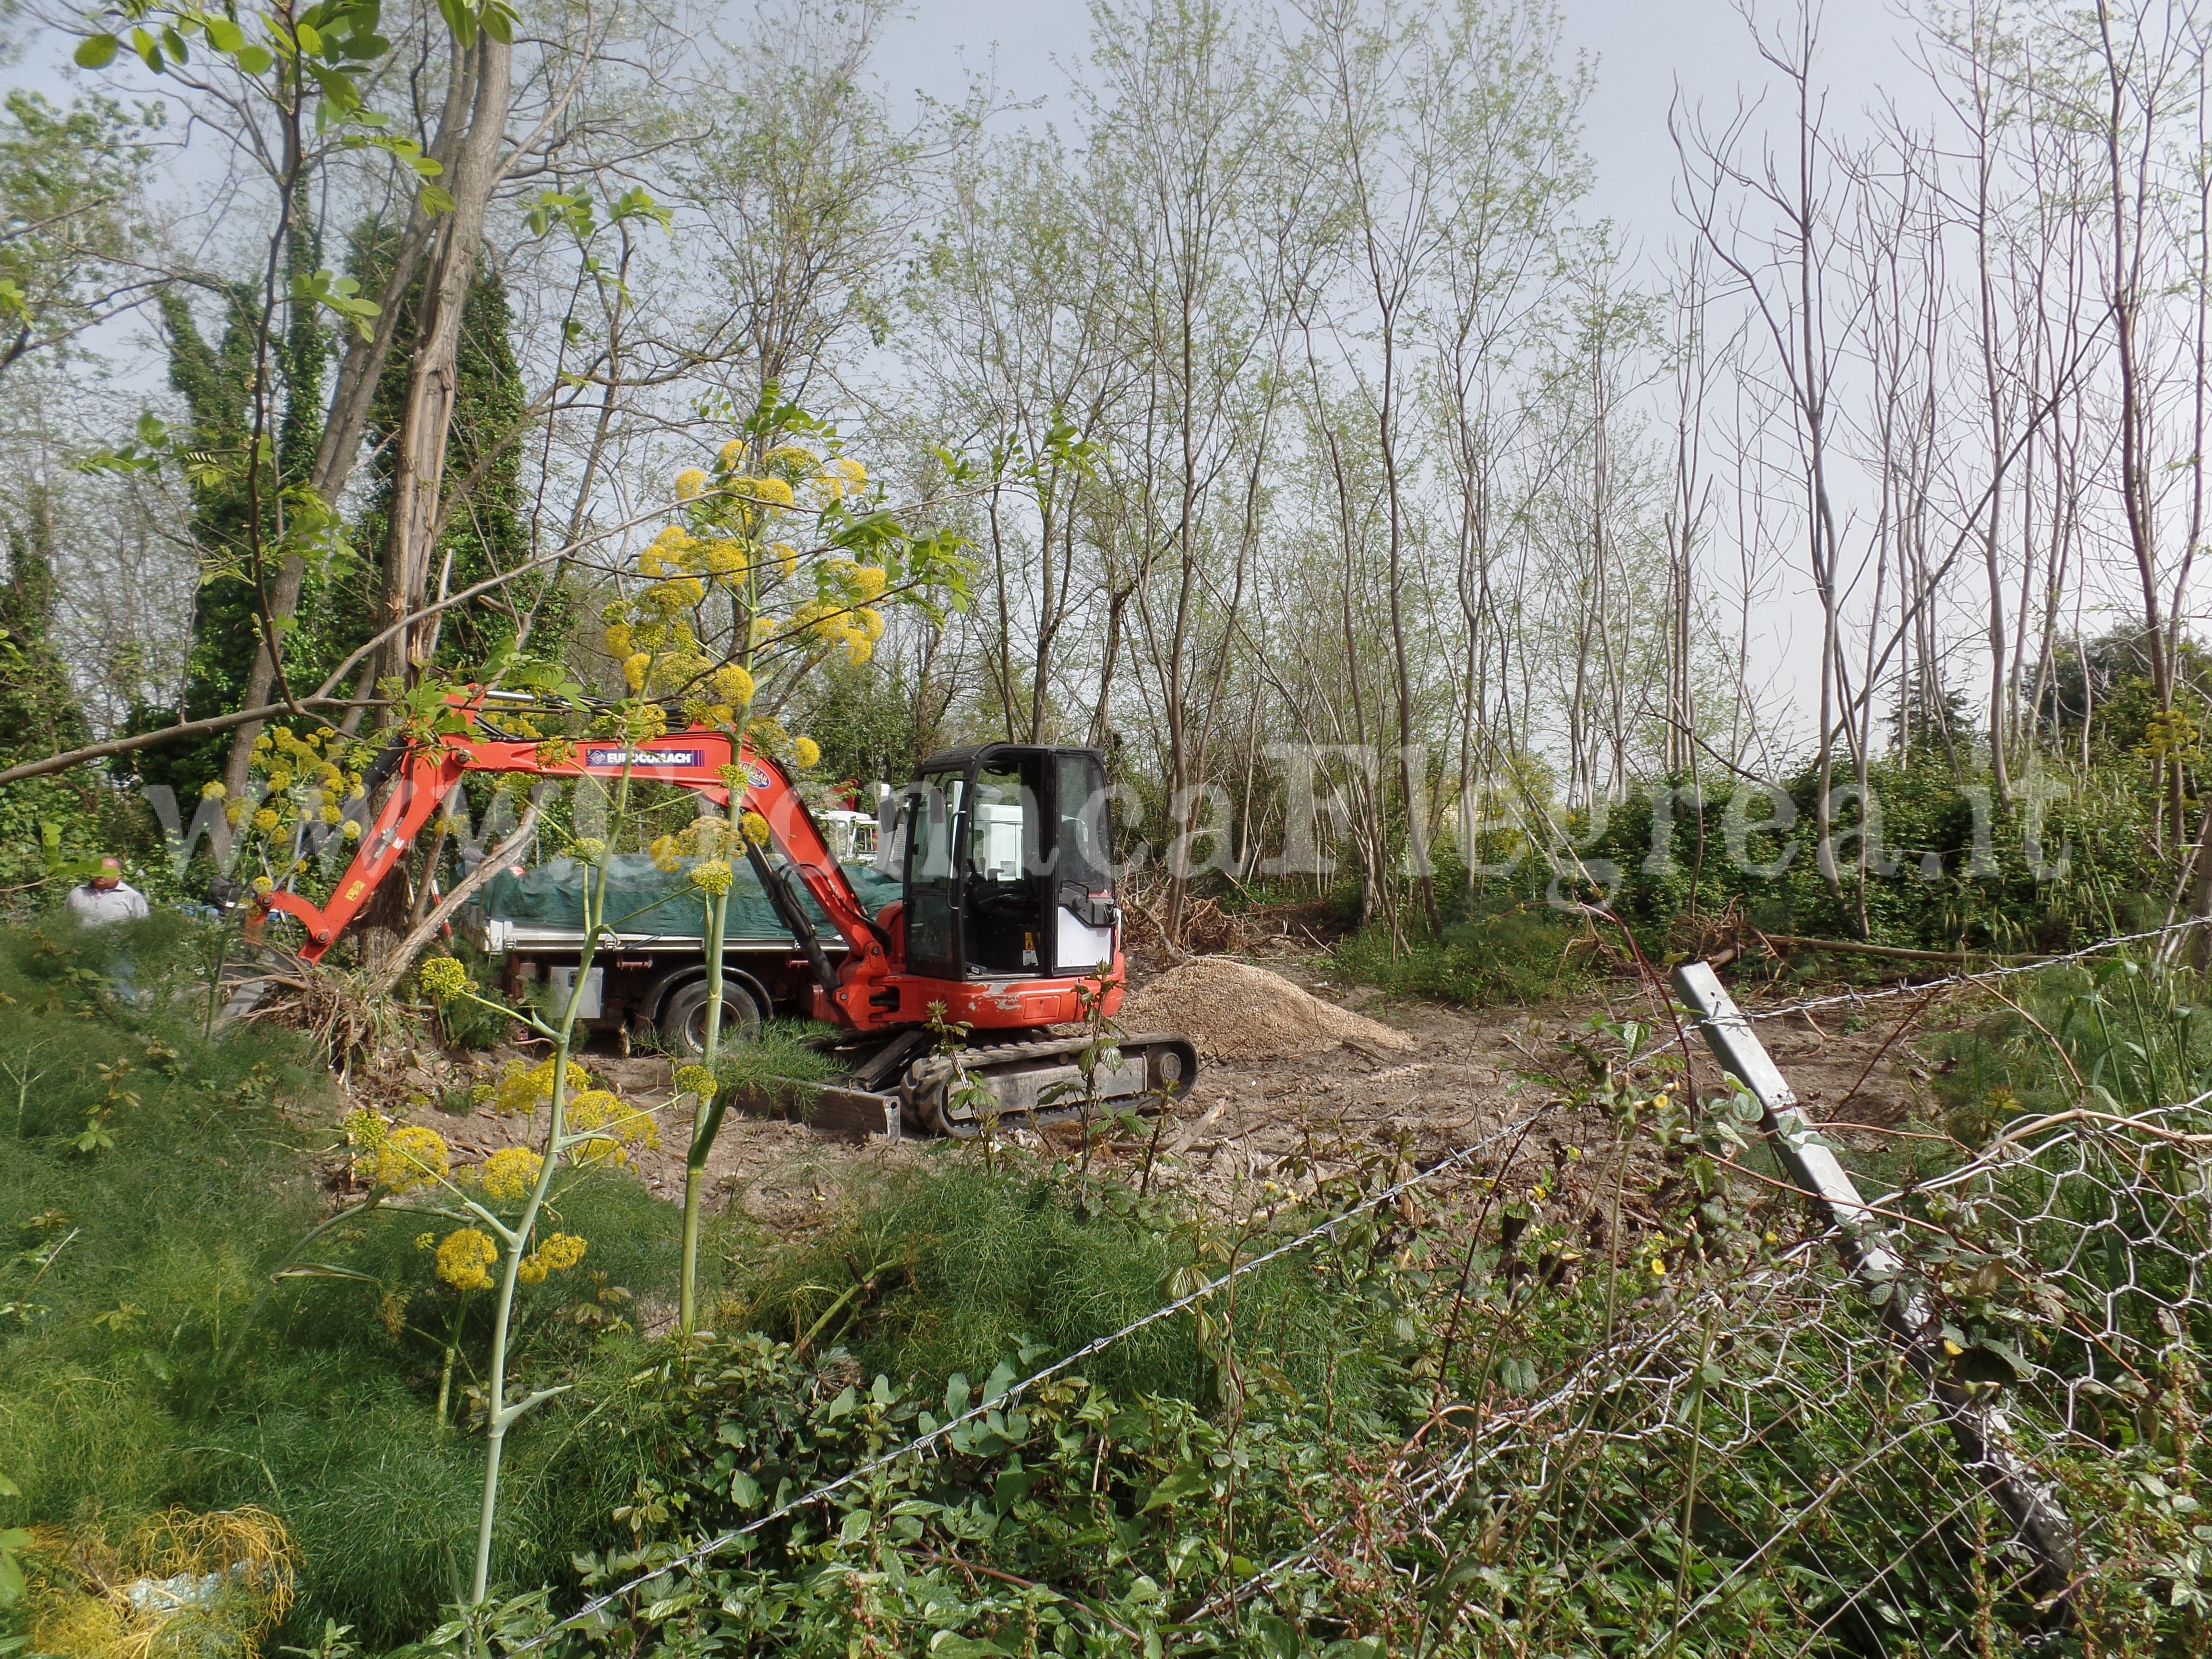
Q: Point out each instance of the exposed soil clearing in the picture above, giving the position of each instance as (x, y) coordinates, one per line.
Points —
(1422, 1079)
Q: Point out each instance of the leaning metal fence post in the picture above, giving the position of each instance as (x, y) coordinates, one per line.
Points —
(1976, 1416)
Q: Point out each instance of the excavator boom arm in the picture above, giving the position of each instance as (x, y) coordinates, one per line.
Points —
(696, 759)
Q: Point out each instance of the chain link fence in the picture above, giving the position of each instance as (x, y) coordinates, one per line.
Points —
(1757, 1431)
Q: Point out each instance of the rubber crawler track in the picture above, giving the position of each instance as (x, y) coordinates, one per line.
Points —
(923, 1091)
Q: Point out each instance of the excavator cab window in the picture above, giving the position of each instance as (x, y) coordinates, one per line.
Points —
(1006, 853)
(1003, 906)
(1081, 871)
(930, 832)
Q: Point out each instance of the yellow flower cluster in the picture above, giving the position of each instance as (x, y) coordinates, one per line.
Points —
(733, 685)
(409, 1156)
(694, 1080)
(651, 635)
(807, 752)
(774, 492)
(303, 779)
(611, 1126)
(712, 876)
(509, 1173)
(756, 829)
(863, 581)
(525, 1088)
(465, 1257)
(443, 977)
(856, 627)
(559, 1253)
(723, 541)
(704, 837)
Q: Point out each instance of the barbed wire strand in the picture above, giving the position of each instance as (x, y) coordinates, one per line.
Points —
(923, 1442)
(1803, 1004)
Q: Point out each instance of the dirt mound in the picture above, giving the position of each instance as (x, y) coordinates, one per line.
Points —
(1235, 1013)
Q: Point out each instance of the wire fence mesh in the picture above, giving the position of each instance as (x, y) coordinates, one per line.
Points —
(1653, 1403)
(1722, 1447)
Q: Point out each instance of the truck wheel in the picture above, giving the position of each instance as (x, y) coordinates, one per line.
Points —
(683, 1017)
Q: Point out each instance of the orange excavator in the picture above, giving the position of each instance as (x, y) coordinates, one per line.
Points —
(1005, 923)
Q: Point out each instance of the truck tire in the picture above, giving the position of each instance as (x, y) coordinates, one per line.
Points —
(684, 1016)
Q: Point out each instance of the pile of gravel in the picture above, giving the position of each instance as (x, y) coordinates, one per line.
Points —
(1233, 1011)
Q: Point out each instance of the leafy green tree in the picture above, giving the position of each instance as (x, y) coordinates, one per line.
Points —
(39, 714)
(73, 248)
(233, 500)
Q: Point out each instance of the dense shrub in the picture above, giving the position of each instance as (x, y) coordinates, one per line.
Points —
(1522, 955)
(1956, 870)
(955, 1265)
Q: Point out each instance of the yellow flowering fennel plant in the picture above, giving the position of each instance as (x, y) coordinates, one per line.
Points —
(713, 877)
(776, 558)
(401, 1160)
(298, 797)
(507, 1196)
(711, 844)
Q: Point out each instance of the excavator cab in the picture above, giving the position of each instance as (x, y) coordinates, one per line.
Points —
(1004, 854)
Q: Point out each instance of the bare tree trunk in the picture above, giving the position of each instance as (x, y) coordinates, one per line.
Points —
(419, 457)
(346, 419)
(2125, 287)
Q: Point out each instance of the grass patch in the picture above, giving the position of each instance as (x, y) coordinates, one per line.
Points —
(952, 1267)
(775, 1068)
(150, 1183)
(2134, 1032)
(1513, 958)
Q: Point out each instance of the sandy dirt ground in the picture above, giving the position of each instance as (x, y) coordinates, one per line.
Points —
(1250, 1131)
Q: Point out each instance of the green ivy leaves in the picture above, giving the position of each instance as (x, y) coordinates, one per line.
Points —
(341, 295)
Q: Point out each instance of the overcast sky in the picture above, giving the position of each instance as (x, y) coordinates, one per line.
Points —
(1641, 50)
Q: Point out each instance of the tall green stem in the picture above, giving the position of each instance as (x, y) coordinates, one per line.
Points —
(705, 1119)
(503, 1413)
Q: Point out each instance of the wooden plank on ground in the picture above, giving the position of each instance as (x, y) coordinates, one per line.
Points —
(820, 1106)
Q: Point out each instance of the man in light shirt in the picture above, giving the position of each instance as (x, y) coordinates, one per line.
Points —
(107, 898)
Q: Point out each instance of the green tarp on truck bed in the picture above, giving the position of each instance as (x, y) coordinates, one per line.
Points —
(643, 898)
